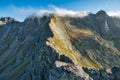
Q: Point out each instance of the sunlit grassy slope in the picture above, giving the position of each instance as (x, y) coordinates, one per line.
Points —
(2, 23)
(63, 36)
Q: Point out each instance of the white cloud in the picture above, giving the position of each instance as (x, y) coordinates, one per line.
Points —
(64, 12)
(114, 13)
(42, 12)
(61, 12)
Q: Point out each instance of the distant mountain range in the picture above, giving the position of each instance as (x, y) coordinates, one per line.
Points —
(53, 47)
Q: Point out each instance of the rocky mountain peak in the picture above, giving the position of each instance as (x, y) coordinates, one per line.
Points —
(7, 19)
(101, 13)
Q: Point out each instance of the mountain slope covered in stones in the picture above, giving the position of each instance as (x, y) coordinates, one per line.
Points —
(54, 47)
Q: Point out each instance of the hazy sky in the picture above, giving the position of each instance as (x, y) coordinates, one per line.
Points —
(20, 9)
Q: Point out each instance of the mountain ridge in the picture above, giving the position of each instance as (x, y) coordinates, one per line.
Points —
(46, 47)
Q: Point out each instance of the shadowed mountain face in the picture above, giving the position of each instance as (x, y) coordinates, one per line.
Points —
(60, 48)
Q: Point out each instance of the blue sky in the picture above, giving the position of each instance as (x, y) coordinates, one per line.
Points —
(20, 9)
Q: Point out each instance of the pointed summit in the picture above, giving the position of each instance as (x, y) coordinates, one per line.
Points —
(7, 19)
(101, 13)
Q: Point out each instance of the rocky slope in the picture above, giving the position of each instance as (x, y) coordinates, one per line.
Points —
(60, 48)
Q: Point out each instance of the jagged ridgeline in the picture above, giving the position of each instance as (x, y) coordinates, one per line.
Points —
(54, 47)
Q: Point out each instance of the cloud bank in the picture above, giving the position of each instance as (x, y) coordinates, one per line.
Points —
(61, 12)
(114, 13)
